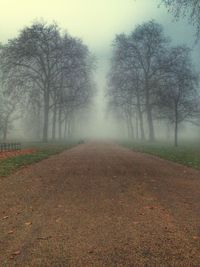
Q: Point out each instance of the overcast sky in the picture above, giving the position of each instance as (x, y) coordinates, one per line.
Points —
(96, 22)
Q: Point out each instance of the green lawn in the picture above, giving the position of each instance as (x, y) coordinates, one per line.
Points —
(187, 153)
(42, 151)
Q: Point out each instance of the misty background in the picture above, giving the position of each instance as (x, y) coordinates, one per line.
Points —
(96, 23)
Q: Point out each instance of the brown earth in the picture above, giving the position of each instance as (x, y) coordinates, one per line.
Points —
(10, 154)
(100, 205)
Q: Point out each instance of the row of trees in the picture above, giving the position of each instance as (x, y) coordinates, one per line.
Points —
(47, 76)
(151, 80)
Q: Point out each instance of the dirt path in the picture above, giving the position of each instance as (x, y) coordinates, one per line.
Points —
(100, 205)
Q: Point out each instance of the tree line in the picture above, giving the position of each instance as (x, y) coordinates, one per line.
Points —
(151, 80)
(46, 78)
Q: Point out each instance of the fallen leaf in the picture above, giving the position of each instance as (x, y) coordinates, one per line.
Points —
(196, 237)
(5, 217)
(150, 207)
(28, 223)
(16, 253)
(58, 220)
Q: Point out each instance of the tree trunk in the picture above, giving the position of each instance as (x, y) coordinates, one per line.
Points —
(141, 126)
(131, 128)
(128, 125)
(150, 124)
(176, 127)
(46, 116)
(140, 118)
(69, 128)
(137, 128)
(65, 133)
(149, 114)
(140, 115)
(54, 123)
(37, 122)
(60, 123)
(5, 131)
(168, 132)
(128, 130)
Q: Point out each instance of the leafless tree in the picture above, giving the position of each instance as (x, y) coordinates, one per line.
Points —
(178, 96)
(56, 69)
(123, 84)
(11, 102)
(139, 55)
(148, 75)
(34, 54)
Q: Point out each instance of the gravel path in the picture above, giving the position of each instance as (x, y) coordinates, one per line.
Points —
(99, 205)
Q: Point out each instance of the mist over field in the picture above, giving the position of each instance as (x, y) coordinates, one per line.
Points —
(96, 23)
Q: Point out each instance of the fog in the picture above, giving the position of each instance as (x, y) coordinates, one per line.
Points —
(97, 23)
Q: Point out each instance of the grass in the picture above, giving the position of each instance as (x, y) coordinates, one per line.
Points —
(42, 151)
(187, 153)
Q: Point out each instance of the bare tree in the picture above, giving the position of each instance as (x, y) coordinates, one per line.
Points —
(76, 85)
(11, 102)
(56, 70)
(148, 44)
(148, 75)
(123, 87)
(34, 54)
(137, 69)
(178, 97)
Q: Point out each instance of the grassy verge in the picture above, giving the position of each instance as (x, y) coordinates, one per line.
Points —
(187, 153)
(42, 151)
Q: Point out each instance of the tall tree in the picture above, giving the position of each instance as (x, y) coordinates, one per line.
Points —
(124, 87)
(178, 97)
(34, 53)
(56, 69)
(137, 69)
(148, 75)
(148, 45)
